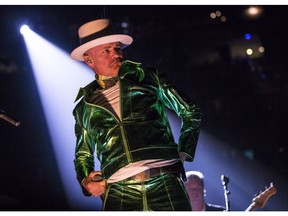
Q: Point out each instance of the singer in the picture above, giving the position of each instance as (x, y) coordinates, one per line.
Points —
(121, 115)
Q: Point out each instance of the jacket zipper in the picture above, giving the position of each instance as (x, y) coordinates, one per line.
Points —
(119, 121)
(121, 125)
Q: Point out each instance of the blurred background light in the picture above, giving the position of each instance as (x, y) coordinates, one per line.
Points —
(218, 13)
(249, 51)
(223, 18)
(247, 36)
(213, 15)
(254, 11)
(261, 49)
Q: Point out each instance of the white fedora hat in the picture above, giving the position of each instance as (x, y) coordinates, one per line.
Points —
(95, 33)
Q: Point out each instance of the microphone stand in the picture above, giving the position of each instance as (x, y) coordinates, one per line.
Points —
(9, 119)
(225, 181)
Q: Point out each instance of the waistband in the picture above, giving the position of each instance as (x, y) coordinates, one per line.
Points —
(176, 168)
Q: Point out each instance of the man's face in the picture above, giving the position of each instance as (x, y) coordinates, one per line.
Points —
(195, 190)
(106, 59)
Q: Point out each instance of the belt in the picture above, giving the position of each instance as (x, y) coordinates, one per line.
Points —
(174, 168)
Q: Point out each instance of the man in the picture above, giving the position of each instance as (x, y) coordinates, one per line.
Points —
(121, 116)
(196, 191)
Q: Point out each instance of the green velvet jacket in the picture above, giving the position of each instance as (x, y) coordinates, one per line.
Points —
(142, 131)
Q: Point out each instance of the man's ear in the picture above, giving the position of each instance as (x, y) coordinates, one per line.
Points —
(88, 60)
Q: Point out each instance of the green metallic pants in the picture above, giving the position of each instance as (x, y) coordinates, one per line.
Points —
(165, 192)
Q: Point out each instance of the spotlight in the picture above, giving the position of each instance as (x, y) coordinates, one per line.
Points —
(24, 29)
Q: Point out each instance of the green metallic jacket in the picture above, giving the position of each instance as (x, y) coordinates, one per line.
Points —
(142, 132)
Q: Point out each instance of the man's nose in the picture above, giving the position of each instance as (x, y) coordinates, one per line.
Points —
(117, 52)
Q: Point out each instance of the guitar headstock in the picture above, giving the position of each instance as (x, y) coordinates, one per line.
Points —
(261, 199)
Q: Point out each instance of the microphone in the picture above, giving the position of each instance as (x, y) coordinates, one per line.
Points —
(9, 119)
(224, 179)
(97, 178)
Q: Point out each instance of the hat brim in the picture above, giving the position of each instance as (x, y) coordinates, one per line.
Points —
(78, 53)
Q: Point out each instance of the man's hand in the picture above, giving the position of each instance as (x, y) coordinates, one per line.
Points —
(94, 188)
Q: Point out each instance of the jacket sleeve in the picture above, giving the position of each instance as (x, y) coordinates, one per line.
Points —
(84, 150)
(187, 110)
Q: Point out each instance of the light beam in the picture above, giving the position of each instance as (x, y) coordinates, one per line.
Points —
(58, 79)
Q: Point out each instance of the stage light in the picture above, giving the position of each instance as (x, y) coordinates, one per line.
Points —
(24, 29)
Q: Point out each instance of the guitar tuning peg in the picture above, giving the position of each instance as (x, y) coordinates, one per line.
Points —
(257, 193)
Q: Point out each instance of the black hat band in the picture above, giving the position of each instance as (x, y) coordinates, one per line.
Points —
(104, 32)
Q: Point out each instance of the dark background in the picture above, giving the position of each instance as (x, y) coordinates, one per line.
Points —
(243, 99)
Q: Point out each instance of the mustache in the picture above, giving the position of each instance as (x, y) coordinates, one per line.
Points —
(118, 59)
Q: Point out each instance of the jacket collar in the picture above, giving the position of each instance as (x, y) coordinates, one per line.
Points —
(127, 67)
(130, 67)
(83, 90)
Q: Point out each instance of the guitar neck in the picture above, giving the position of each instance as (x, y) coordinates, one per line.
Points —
(252, 207)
